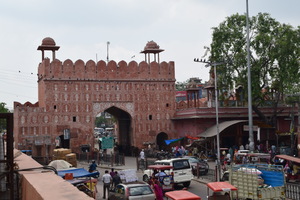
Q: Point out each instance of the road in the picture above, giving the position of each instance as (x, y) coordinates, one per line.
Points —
(196, 187)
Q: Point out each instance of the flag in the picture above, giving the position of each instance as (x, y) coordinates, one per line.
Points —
(173, 140)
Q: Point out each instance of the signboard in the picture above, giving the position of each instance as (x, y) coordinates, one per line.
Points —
(66, 134)
(107, 143)
(246, 128)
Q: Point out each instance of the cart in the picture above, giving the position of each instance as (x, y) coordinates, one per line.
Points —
(82, 179)
(221, 191)
(166, 180)
(181, 195)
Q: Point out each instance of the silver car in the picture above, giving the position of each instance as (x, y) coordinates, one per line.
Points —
(132, 190)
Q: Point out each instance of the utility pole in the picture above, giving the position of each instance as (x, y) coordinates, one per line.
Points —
(107, 50)
(215, 64)
(250, 118)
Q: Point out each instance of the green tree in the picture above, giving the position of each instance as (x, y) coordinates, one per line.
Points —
(3, 109)
(274, 58)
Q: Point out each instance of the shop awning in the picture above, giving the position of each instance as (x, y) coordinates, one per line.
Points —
(212, 131)
(290, 158)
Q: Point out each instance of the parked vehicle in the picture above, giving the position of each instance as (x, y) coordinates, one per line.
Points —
(259, 158)
(132, 190)
(292, 173)
(221, 190)
(238, 156)
(258, 181)
(197, 162)
(182, 170)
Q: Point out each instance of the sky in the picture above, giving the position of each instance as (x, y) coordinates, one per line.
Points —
(82, 29)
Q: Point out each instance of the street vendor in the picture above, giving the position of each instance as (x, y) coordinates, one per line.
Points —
(93, 166)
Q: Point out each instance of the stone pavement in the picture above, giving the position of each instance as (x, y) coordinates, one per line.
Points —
(131, 163)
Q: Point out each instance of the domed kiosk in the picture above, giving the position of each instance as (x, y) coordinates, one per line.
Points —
(48, 44)
(152, 47)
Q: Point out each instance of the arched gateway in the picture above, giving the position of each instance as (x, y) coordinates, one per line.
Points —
(141, 96)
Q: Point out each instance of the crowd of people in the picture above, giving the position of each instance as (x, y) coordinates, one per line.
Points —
(110, 181)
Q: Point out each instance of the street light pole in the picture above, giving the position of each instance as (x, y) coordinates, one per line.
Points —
(250, 118)
(215, 64)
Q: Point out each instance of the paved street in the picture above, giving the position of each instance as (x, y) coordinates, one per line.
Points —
(197, 186)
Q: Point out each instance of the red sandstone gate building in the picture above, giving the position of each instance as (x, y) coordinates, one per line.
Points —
(71, 94)
(141, 96)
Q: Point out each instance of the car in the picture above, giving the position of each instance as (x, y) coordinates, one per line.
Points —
(182, 170)
(195, 161)
(131, 191)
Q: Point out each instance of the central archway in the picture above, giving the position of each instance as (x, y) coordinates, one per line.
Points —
(123, 131)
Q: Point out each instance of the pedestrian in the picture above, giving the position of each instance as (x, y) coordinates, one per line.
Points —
(242, 147)
(247, 146)
(92, 166)
(112, 172)
(116, 179)
(231, 153)
(157, 190)
(142, 157)
(106, 179)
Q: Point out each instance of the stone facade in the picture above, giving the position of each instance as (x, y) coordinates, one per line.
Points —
(71, 94)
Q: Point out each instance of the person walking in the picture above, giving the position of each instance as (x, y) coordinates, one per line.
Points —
(142, 157)
(112, 172)
(106, 179)
(157, 190)
(116, 179)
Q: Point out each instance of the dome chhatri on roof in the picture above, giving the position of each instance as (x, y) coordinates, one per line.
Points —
(151, 48)
(151, 45)
(48, 44)
(48, 41)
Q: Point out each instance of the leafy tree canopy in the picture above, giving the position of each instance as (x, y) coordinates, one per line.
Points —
(3, 109)
(275, 52)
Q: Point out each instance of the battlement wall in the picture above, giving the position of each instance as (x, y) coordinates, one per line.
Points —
(106, 71)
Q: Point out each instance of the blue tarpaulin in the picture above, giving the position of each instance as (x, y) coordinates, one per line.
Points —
(173, 140)
(78, 173)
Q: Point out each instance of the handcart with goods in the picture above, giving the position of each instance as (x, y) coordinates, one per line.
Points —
(220, 191)
(181, 195)
(85, 181)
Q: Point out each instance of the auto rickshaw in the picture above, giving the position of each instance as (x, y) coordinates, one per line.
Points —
(291, 167)
(181, 195)
(164, 175)
(221, 191)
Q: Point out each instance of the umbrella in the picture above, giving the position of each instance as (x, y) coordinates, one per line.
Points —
(60, 164)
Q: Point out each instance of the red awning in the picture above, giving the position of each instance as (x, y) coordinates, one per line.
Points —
(182, 195)
(160, 167)
(290, 158)
(221, 186)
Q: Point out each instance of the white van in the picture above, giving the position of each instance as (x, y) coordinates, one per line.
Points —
(182, 170)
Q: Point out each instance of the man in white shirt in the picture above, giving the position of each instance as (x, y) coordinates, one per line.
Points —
(106, 179)
(142, 157)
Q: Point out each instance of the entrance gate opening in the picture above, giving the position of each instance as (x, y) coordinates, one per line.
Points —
(123, 131)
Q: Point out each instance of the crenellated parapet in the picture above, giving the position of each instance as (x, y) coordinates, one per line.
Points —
(79, 70)
(27, 104)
